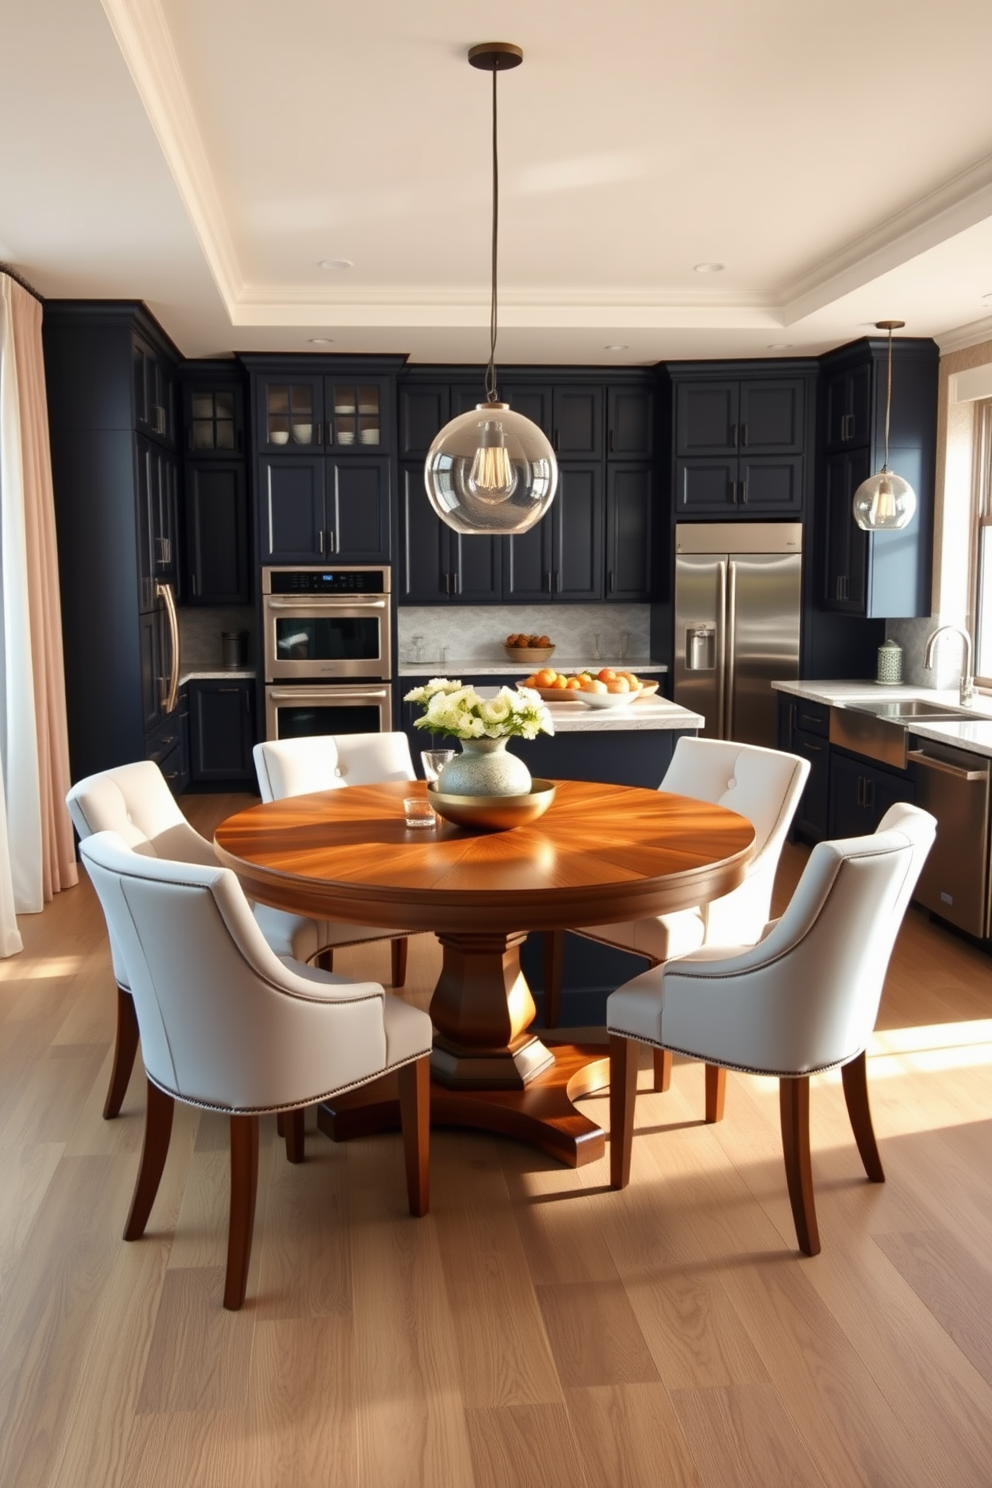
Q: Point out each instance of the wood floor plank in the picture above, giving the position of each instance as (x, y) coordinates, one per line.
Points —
(503, 1350)
(518, 1444)
(409, 1410)
(560, 1239)
(740, 1436)
(594, 1335)
(302, 1401)
(200, 1354)
(196, 1449)
(630, 1437)
(305, 1243)
(50, 1307)
(951, 1285)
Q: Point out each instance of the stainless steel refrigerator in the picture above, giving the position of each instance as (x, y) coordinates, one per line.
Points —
(737, 607)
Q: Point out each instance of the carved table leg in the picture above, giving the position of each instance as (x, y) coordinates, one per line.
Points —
(481, 1010)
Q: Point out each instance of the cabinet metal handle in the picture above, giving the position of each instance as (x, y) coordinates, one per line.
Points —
(733, 436)
(743, 493)
(557, 589)
(744, 435)
(454, 582)
(194, 584)
(612, 582)
(164, 592)
(613, 443)
(320, 538)
(557, 441)
(550, 580)
(317, 432)
(229, 689)
(932, 763)
(812, 748)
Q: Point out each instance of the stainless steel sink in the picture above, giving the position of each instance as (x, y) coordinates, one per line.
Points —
(909, 709)
(881, 730)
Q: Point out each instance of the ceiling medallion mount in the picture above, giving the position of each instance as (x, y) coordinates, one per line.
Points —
(885, 502)
(492, 470)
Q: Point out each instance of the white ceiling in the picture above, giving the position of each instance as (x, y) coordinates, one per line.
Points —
(205, 155)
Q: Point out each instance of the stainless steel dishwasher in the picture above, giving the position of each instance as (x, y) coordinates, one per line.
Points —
(954, 786)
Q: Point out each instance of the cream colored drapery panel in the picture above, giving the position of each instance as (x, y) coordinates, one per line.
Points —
(36, 752)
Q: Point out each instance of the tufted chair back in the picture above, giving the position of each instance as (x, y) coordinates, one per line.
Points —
(763, 785)
(135, 802)
(806, 996)
(224, 1022)
(294, 767)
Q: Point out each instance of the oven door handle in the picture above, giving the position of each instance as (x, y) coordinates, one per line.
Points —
(339, 689)
(318, 601)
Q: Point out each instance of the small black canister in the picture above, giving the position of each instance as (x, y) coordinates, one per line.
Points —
(234, 649)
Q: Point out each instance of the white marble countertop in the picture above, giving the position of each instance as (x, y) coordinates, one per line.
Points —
(204, 674)
(971, 734)
(508, 668)
(642, 713)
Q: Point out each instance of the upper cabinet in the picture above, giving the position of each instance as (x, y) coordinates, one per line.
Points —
(154, 404)
(296, 413)
(877, 575)
(217, 568)
(597, 541)
(322, 432)
(739, 441)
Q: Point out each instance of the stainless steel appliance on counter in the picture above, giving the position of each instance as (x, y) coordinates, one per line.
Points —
(737, 612)
(954, 786)
(327, 650)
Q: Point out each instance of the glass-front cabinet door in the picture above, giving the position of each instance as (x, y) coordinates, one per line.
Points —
(290, 414)
(356, 415)
(213, 420)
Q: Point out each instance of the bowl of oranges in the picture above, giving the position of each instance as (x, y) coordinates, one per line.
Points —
(529, 648)
(607, 688)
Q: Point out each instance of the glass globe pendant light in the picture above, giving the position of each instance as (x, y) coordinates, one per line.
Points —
(492, 470)
(885, 502)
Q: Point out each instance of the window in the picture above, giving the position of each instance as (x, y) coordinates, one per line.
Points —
(983, 544)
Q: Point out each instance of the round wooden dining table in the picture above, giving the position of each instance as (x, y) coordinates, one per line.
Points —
(601, 854)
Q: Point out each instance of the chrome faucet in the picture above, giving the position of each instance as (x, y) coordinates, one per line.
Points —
(967, 692)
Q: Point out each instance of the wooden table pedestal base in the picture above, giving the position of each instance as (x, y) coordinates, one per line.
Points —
(543, 1114)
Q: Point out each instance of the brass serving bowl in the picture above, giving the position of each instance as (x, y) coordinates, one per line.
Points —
(494, 813)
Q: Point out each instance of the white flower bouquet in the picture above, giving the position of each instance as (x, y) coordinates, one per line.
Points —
(460, 713)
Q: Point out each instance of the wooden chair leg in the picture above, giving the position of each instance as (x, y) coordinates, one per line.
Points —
(855, 1078)
(794, 1109)
(623, 1092)
(325, 959)
(280, 1123)
(716, 1092)
(662, 1069)
(415, 1121)
(398, 954)
(244, 1188)
(125, 1048)
(554, 964)
(293, 1131)
(158, 1129)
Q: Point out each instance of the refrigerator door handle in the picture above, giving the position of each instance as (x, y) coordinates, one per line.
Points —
(730, 631)
(721, 648)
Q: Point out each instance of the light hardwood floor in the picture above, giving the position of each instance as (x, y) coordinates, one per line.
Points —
(535, 1328)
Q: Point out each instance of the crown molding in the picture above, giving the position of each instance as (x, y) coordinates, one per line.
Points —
(143, 35)
(952, 208)
(972, 334)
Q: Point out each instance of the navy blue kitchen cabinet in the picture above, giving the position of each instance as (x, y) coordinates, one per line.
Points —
(861, 792)
(883, 575)
(739, 441)
(323, 429)
(437, 564)
(109, 371)
(221, 731)
(561, 557)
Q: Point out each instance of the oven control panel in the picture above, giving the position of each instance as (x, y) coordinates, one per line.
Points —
(325, 581)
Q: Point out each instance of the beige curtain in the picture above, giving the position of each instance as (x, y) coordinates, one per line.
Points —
(37, 751)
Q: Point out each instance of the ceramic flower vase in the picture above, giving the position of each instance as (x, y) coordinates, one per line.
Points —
(484, 768)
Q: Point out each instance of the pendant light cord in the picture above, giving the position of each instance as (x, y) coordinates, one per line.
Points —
(888, 403)
(491, 396)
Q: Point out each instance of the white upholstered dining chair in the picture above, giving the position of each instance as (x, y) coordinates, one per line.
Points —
(802, 1000)
(135, 801)
(227, 1025)
(294, 767)
(763, 785)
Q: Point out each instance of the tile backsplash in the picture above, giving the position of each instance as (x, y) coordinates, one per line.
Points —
(200, 629)
(477, 634)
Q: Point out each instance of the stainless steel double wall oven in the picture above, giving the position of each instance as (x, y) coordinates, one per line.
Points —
(327, 648)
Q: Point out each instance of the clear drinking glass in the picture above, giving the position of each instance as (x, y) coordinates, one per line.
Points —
(434, 761)
(418, 811)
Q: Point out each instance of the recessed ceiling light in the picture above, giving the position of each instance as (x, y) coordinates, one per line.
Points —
(709, 268)
(321, 340)
(336, 263)
(617, 347)
(779, 345)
